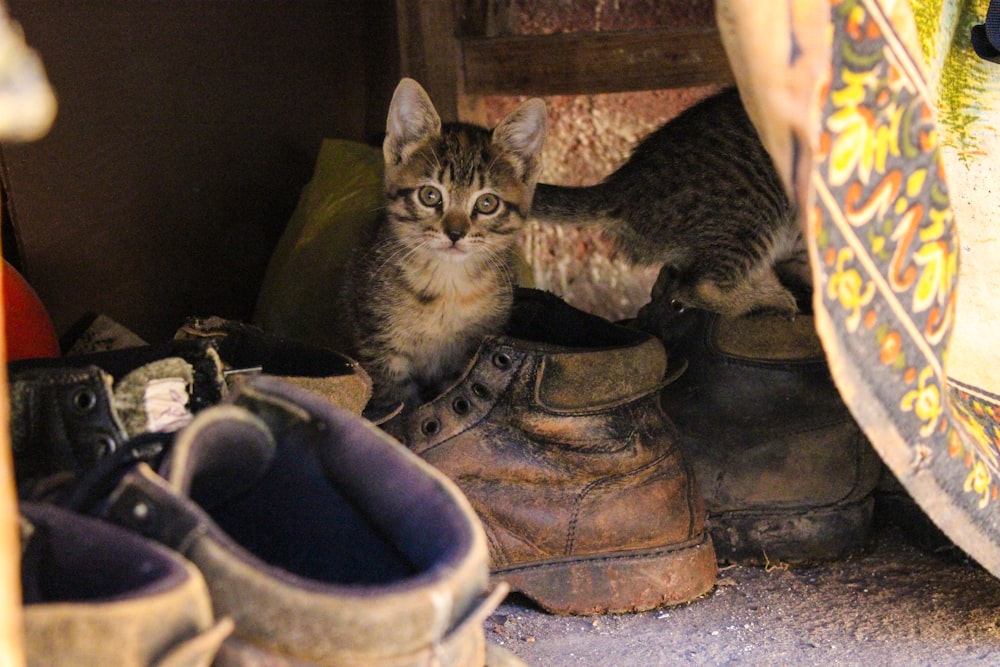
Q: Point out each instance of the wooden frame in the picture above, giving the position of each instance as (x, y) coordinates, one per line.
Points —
(453, 47)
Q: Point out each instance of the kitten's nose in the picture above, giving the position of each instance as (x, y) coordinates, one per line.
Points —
(455, 226)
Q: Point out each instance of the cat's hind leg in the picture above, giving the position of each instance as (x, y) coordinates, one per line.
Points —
(760, 291)
(795, 273)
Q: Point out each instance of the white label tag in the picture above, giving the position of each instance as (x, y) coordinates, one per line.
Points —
(166, 401)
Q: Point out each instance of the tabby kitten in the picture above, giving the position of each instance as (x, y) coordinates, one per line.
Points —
(437, 274)
(700, 196)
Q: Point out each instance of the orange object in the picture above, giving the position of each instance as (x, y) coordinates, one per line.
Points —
(29, 329)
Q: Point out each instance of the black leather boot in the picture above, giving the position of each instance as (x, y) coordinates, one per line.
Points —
(785, 471)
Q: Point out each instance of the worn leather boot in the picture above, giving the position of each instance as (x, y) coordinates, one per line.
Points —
(97, 595)
(785, 471)
(556, 435)
(66, 415)
(323, 539)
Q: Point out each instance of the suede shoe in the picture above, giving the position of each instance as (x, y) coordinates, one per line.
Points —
(784, 469)
(247, 350)
(556, 435)
(326, 541)
(97, 595)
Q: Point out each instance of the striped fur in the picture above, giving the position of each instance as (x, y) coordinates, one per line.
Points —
(700, 196)
(437, 274)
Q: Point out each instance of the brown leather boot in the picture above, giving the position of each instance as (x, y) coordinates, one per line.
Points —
(556, 435)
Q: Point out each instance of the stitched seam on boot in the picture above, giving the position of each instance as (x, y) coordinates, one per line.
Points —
(799, 510)
(805, 510)
(634, 554)
(495, 544)
(585, 491)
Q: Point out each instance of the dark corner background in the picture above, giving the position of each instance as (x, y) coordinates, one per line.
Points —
(186, 130)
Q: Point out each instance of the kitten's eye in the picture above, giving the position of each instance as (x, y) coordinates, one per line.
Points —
(429, 196)
(487, 204)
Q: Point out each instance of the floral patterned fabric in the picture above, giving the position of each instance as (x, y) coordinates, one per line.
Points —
(895, 121)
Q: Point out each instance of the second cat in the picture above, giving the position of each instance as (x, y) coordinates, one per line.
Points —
(701, 197)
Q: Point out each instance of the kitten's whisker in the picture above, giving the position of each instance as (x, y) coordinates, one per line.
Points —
(399, 251)
(405, 253)
(497, 260)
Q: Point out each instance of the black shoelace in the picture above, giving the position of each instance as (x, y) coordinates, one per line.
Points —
(86, 492)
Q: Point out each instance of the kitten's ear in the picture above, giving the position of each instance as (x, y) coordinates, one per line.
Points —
(522, 134)
(412, 118)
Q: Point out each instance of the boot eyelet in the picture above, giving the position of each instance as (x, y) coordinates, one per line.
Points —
(84, 400)
(461, 406)
(502, 361)
(481, 391)
(103, 445)
(143, 513)
(430, 427)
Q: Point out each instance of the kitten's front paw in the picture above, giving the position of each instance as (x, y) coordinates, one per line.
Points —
(783, 312)
(790, 307)
(393, 396)
(667, 283)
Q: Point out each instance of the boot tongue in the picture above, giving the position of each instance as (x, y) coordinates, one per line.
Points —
(154, 397)
(220, 455)
(765, 337)
(588, 363)
(575, 381)
(163, 395)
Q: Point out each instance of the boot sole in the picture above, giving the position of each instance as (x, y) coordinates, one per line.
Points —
(617, 583)
(795, 536)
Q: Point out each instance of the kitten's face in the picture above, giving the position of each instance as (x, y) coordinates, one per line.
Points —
(457, 196)
(459, 192)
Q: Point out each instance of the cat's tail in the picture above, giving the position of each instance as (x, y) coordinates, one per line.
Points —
(567, 205)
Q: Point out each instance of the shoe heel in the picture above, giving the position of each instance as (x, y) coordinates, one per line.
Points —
(796, 537)
(628, 582)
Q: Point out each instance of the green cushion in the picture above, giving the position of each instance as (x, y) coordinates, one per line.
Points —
(298, 298)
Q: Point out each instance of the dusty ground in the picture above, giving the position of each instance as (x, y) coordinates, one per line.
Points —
(896, 605)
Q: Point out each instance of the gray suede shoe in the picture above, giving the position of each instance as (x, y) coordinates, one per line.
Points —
(70, 413)
(325, 540)
(96, 595)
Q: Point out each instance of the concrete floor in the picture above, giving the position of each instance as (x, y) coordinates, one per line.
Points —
(895, 605)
